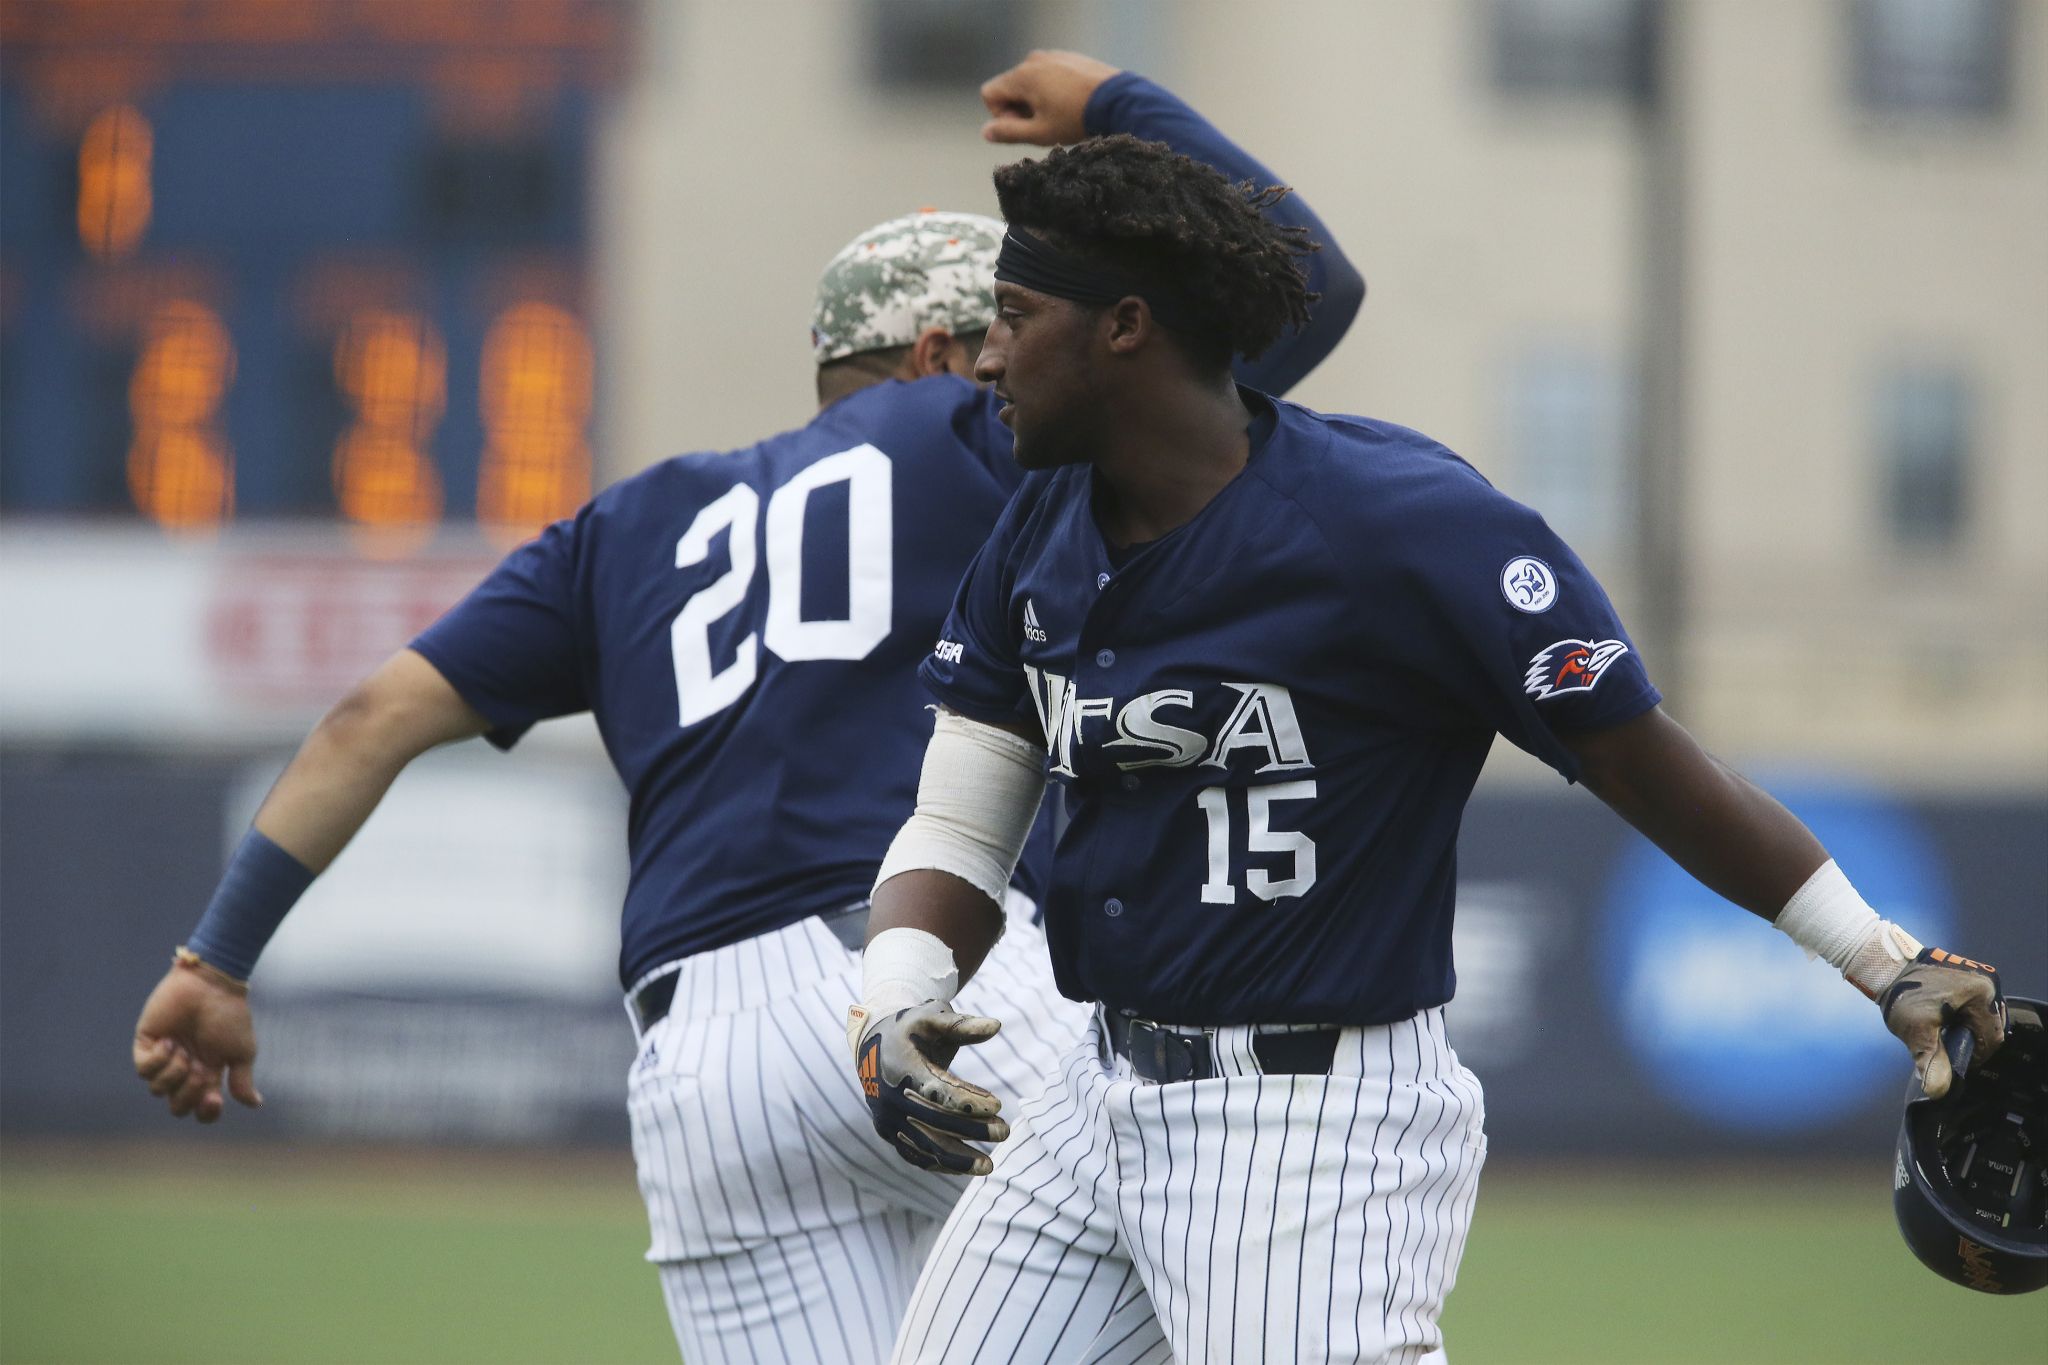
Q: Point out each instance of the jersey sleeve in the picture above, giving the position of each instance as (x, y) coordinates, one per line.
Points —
(974, 667)
(513, 648)
(1525, 636)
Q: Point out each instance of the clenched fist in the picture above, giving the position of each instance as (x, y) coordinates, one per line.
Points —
(1041, 100)
(1937, 989)
(195, 1032)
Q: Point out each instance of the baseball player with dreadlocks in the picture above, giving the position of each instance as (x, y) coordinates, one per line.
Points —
(1264, 651)
(745, 628)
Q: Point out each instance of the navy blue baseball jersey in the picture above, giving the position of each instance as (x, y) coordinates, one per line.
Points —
(716, 613)
(1268, 722)
(746, 626)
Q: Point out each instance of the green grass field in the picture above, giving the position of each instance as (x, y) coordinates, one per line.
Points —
(221, 1255)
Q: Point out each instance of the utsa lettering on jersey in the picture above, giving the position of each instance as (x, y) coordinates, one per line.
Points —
(745, 628)
(1266, 651)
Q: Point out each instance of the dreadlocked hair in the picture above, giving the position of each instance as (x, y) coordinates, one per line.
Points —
(1170, 220)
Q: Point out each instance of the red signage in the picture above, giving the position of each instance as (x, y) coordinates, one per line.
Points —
(303, 629)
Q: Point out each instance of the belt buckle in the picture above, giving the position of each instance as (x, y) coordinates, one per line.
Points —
(1163, 1061)
(1173, 1055)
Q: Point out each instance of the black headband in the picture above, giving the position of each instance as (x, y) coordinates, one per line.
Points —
(1035, 264)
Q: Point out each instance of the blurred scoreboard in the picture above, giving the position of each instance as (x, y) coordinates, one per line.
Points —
(299, 258)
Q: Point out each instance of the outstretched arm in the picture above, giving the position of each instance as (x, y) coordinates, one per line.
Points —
(1052, 98)
(195, 1029)
(1715, 823)
(1740, 842)
(355, 753)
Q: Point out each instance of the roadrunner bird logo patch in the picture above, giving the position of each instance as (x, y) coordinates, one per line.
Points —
(1570, 666)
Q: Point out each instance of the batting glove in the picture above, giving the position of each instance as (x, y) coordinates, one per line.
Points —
(919, 1107)
(1937, 989)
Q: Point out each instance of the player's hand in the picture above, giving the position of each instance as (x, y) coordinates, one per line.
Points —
(1935, 990)
(919, 1107)
(194, 1032)
(1041, 99)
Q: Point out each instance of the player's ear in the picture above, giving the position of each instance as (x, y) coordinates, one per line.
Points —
(1128, 324)
(932, 353)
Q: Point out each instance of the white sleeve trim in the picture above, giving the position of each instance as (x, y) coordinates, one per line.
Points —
(976, 798)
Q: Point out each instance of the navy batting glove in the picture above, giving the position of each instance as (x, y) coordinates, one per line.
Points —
(924, 1111)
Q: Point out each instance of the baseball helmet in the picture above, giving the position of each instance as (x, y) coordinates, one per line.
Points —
(1970, 1185)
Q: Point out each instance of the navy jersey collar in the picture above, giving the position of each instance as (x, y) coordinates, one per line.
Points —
(1283, 447)
(1264, 420)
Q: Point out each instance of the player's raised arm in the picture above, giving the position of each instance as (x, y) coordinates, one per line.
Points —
(1740, 842)
(1055, 98)
(195, 1031)
(936, 912)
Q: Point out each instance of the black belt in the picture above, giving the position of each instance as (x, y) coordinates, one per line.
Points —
(651, 1002)
(1163, 1055)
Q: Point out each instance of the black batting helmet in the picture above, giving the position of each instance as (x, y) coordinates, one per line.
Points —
(1971, 1182)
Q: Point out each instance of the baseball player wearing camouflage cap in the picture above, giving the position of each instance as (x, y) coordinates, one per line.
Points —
(749, 654)
(892, 283)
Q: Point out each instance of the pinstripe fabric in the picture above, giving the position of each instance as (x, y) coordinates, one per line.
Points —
(792, 1302)
(1264, 1218)
(784, 1229)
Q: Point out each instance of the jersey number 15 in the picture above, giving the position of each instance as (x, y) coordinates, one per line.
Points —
(703, 691)
(1260, 837)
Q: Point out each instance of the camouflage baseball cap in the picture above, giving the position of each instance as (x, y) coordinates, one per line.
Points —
(929, 269)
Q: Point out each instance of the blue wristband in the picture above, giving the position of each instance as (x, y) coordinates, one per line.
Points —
(261, 883)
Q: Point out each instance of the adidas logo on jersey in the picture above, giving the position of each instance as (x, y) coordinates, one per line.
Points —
(1032, 630)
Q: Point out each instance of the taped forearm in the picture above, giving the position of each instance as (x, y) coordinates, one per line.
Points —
(905, 967)
(977, 795)
(1831, 921)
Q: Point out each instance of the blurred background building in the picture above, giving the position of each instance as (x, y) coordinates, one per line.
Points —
(309, 309)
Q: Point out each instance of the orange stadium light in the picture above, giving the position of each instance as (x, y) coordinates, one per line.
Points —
(181, 478)
(537, 387)
(393, 368)
(114, 197)
(384, 483)
(180, 468)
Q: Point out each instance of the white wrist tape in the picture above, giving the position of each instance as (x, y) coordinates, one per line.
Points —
(976, 798)
(1827, 918)
(905, 967)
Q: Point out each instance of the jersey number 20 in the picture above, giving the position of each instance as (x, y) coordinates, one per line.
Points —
(702, 691)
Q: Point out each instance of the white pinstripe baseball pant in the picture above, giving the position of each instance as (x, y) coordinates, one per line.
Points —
(1243, 1218)
(784, 1230)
